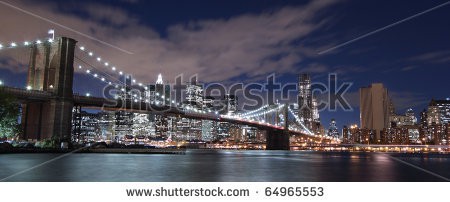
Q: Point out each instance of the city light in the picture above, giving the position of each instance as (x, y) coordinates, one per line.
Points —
(26, 43)
(1, 82)
(38, 42)
(82, 48)
(90, 54)
(29, 88)
(13, 44)
(88, 94)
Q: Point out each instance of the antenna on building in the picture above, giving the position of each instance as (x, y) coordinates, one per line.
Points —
(52, 32)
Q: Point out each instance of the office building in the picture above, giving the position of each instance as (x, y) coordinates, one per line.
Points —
(374, 108)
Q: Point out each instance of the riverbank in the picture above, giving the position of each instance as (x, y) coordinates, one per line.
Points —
(95, 150)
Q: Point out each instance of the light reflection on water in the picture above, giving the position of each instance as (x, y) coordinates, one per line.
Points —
(222, 166)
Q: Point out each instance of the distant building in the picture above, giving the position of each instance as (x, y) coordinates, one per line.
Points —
(333, 130)
(355, 135)
(231, 103)
(397, 135)
(439, 112)
(409, 119)
(194, 95)
(374, 108)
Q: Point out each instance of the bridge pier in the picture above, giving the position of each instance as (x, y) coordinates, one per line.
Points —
(277, 140)
(50, 70)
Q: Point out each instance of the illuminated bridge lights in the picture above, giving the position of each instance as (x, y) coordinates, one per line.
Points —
(23, 44)
(104, 63)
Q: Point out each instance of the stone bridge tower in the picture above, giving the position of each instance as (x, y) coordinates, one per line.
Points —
(50, 70)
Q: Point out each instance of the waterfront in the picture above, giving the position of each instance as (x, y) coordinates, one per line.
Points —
(227, 165)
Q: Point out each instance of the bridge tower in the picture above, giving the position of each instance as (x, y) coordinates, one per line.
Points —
(279, 139)
(50, 70)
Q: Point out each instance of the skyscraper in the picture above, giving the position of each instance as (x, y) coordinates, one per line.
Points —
(158, 93)
(305, 99)
(374, 108)
(439, 112)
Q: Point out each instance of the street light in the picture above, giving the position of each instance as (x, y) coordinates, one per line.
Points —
(29, 88)
(88, 94)
(1, 82)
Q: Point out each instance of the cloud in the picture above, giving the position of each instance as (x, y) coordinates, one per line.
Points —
(408, 68)
(249, 45)
(14, 60)
(405, 100)
(316, 68)
(437, 57)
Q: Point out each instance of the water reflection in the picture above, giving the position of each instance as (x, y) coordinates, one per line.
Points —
(222, 166)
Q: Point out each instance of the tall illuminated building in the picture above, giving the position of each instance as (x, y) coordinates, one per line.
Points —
(158, 93)
(374, 108)
(305, 99)
(439, 112)
(315, 111)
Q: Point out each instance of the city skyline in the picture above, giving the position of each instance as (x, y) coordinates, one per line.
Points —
(396, 59)
(217, 91)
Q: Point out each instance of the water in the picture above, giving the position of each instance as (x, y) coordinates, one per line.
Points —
(224, 166)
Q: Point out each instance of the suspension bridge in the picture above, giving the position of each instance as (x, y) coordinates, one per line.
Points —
(48, 98)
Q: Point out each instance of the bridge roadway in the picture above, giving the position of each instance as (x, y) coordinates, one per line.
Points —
(24, 96)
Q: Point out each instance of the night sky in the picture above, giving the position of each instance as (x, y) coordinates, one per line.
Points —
(232, 41)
